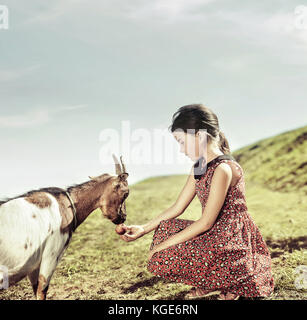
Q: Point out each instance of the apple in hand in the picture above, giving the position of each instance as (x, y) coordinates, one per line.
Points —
(120, 229)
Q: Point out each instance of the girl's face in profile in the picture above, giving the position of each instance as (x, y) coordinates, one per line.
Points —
(189, 144)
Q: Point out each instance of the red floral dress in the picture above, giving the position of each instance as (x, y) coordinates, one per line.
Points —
(231, 257)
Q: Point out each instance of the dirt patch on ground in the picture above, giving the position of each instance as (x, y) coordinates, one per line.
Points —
(279, 246)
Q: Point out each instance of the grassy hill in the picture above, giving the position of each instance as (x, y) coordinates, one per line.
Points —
(98, 265)
(279, 163)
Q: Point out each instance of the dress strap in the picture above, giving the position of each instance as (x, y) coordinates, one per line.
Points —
(200, 166)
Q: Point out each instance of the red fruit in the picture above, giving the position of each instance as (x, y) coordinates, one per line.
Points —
(120, 229)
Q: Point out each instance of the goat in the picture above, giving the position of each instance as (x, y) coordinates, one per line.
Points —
(36, 227)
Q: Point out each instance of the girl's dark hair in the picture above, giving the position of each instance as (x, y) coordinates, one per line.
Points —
(198, 116)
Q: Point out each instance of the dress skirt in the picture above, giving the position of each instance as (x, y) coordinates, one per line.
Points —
(230, 257)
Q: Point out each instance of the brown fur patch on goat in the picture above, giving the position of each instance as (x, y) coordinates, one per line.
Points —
(40, 199)
(41, 288)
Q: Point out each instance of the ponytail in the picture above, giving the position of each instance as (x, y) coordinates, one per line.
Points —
(223, 143)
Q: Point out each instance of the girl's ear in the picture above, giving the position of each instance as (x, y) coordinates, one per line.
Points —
(201, 135)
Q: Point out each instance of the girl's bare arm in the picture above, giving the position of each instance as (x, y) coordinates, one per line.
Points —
(219, 186)
(184, 199)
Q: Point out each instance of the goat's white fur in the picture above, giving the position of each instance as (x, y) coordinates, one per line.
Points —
(31, 246)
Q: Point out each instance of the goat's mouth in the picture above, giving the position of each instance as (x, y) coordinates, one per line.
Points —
(116, 216)
(121, 217)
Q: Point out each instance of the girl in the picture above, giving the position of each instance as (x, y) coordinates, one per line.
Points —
(223, 252)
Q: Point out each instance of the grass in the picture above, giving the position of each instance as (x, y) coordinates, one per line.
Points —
(99, 265)
(279, 163)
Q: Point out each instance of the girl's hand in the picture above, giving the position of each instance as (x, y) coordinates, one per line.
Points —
(132, 233)
(151, 253)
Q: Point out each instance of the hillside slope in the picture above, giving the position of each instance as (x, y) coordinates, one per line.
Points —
(278, 163)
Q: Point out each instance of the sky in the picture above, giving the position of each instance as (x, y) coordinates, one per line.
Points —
(74, 73)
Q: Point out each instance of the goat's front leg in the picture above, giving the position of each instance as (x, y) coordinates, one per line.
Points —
(53, 251)
(46, 271)
(50, 259)
(42, 288)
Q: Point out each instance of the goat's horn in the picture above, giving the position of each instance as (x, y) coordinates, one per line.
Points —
(123, 166)
(118, 168)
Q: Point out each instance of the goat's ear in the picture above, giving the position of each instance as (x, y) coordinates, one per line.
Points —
(123, 176)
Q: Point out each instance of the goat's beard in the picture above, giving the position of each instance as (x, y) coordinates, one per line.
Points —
(120, 214)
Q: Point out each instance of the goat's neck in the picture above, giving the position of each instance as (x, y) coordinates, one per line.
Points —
(85, 202)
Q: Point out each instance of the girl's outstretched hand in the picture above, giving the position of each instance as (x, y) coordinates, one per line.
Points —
(151, 253)
(133, 232)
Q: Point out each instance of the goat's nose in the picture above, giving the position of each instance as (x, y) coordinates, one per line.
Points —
(126, 195)
(118, 220)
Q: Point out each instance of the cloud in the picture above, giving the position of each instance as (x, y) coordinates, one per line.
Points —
(256, 27)
(71, 108)
(35, 117)
(48, 11)
(11, 74)
(170, 10)
(264, 28)
(286, 24)
(167, 10)
(230, 64)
